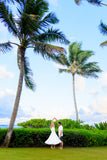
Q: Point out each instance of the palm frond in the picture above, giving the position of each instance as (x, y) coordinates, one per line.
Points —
(74, 49)
(27, 25)
(5, 47)
(27, 71)
(7, 18)
(52, 35)
(103, 28)
(77, 2)
(103, 43)
(90, 70)
(48, 50)
(64, 70)
(95, 2)
(28, 75)
(64, 60)
(38, 7)
(49, 19)
(83, 56)
(34, 17)
(31, 13)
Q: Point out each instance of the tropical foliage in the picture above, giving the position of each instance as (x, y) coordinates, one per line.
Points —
(103, 30)
(94, 2)
(43, 123)
(78, 63)
(32, 28)
(101, 125)
(67, 123)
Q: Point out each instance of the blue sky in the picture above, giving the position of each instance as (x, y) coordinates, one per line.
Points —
(53, 95)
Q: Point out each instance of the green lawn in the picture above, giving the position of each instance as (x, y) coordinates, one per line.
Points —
(92, 153)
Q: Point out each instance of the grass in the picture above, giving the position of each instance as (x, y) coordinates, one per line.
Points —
(91, 153)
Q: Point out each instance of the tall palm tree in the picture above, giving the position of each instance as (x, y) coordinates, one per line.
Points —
(33, 30)
(94, 2)
(76, 63)
(103, 30)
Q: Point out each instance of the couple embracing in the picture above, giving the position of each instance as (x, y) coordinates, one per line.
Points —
(53, 138)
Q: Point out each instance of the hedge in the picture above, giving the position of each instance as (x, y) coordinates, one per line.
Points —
(22, 137)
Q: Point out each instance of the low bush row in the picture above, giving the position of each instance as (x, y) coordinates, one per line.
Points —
(29, 137)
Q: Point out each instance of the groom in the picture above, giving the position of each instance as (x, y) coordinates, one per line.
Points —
(60, 133)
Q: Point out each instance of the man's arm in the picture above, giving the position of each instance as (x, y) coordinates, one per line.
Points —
(60, 134)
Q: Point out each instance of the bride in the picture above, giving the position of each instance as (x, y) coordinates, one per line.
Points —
(53, 138)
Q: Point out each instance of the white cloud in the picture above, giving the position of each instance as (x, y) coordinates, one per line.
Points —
(80, 83)
(4, 73)
(100, 105)
(103, 79)
(2, 94)
(85, 109)
(22, 119)
(33, 112)
(9, 92)
(92, 92)
(4, 121)
(57, 65)
(91, 114)
(6, 92)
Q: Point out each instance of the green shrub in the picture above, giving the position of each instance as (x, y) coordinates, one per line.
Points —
(101, 125)
(31, 137)
(84, 138)
(2, 135)
(67, 123)
(74, 138)
(35, 123)
(43, 123)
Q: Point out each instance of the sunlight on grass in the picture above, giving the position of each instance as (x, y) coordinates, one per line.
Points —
(92, 153)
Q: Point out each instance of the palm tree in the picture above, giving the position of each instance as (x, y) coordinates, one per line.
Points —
(103, 30)
(76, 63)
(33, 30)
(94, 2)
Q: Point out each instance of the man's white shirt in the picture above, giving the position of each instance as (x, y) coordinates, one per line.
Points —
(59, 130)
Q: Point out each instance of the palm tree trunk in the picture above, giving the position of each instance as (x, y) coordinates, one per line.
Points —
(76, 110)
(16, 104)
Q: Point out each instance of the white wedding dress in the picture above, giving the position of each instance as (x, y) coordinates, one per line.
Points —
(53, 138)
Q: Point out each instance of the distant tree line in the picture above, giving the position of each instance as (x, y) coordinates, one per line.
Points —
(67, 124)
